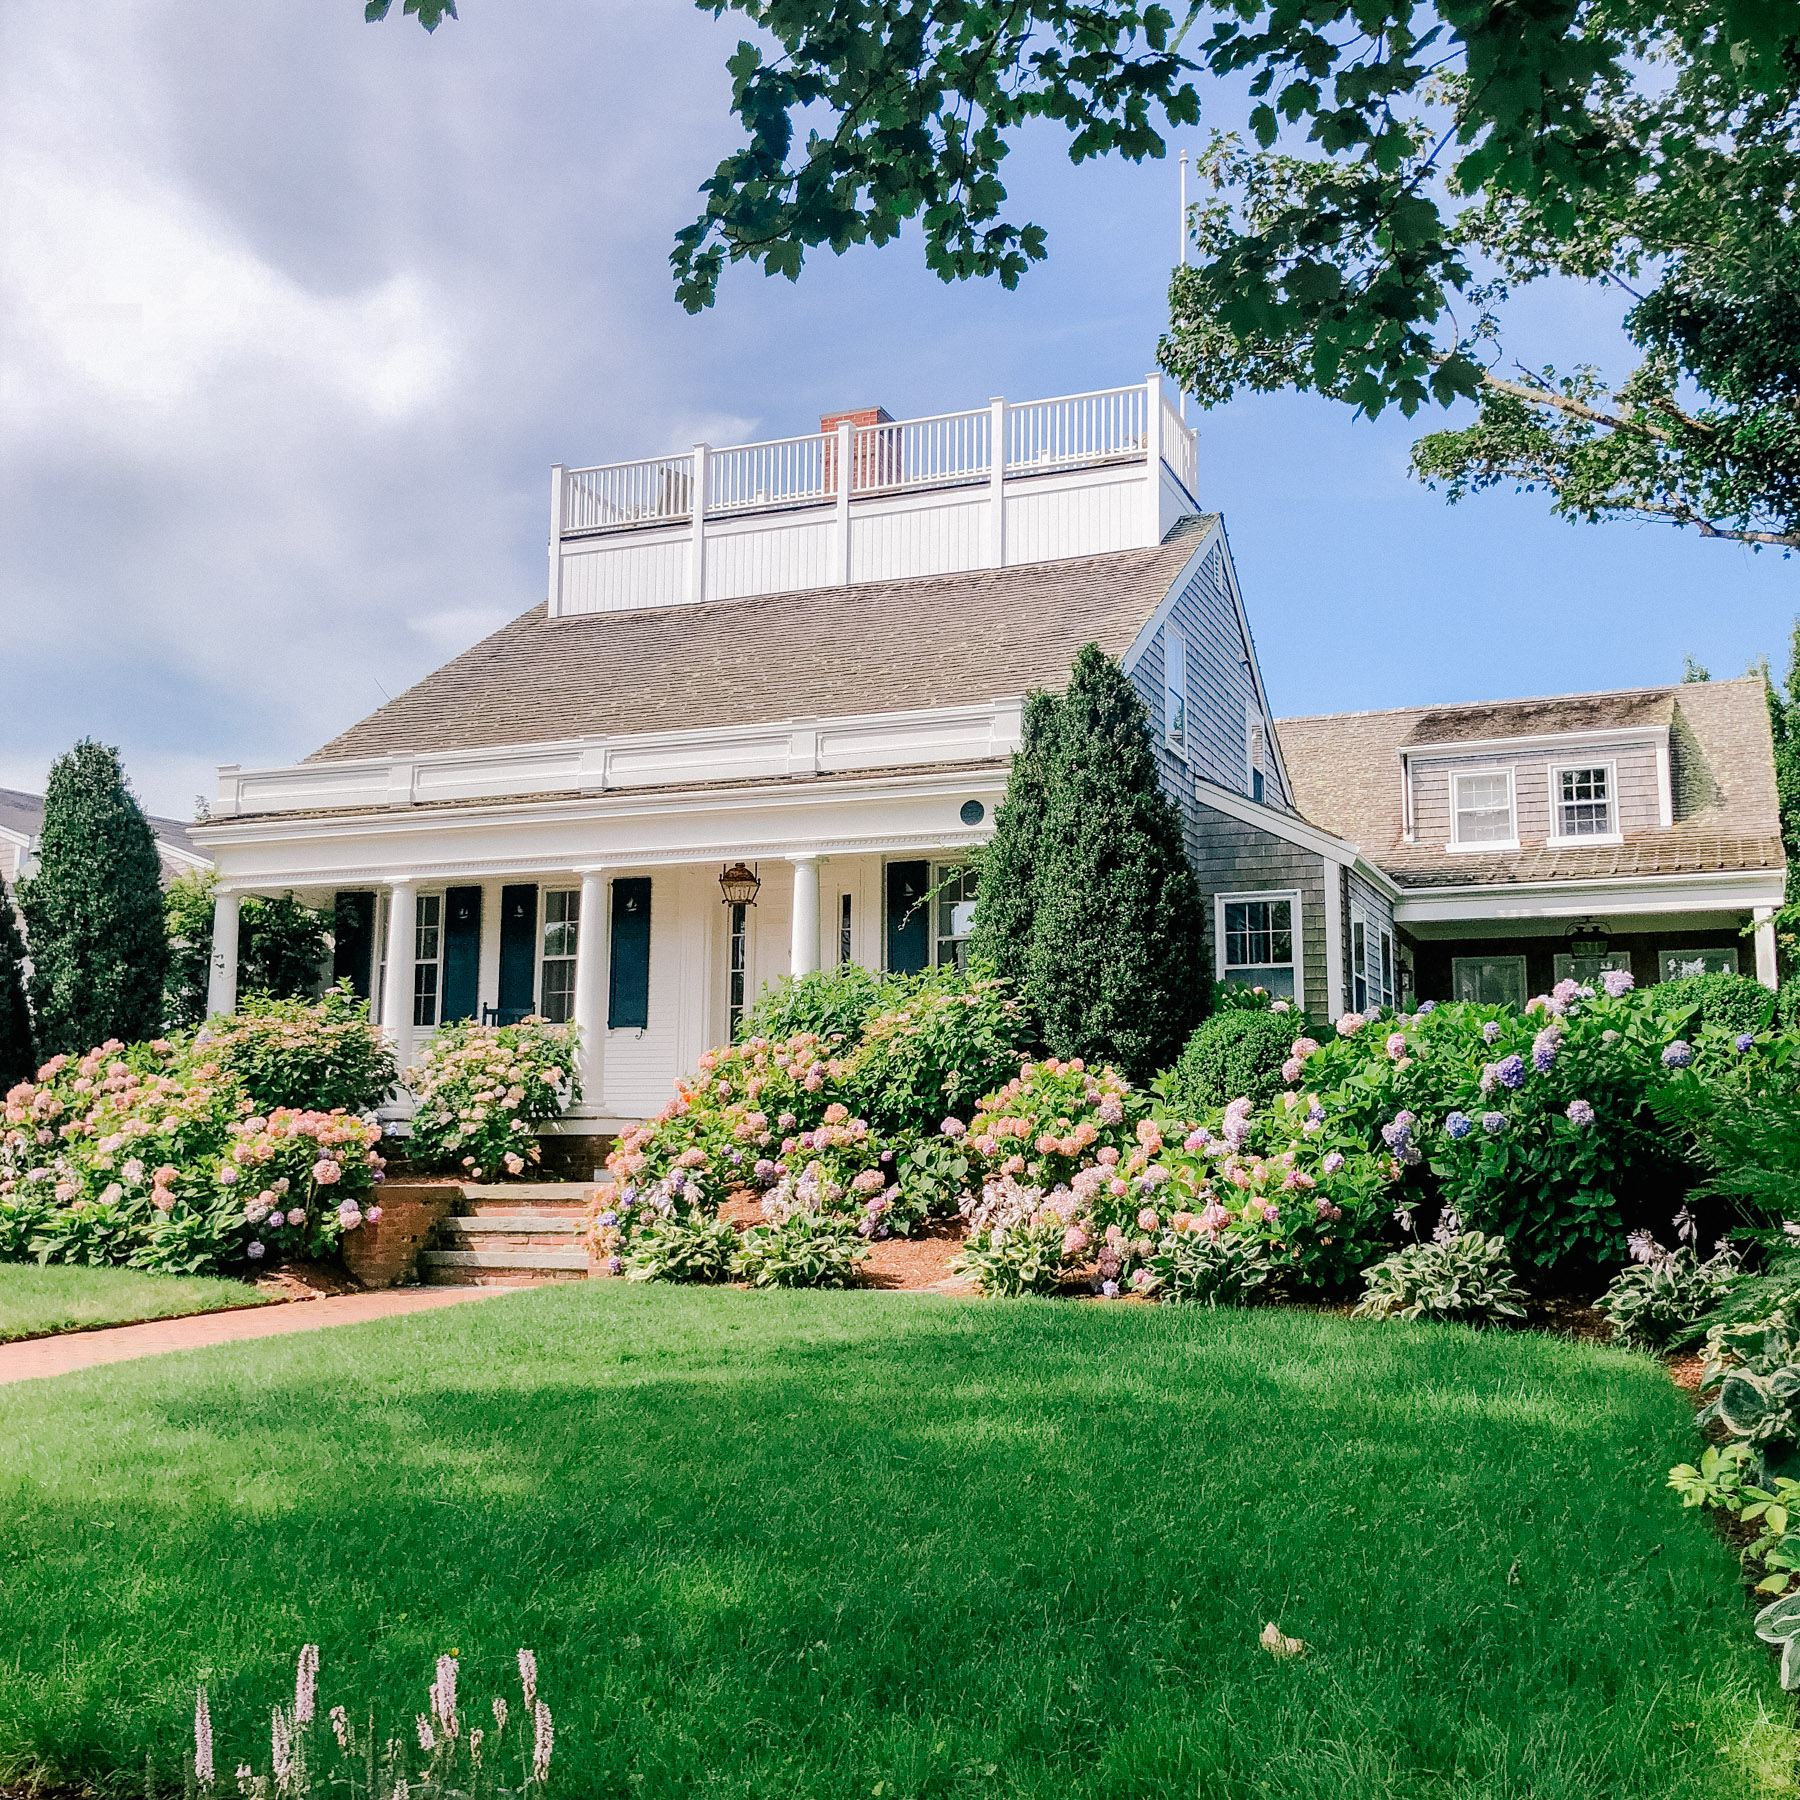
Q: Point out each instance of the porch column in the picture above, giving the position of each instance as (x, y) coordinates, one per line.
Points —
(1767, 970)
(222, 971)
(805, 956)
(396, 1000)
(593, 946)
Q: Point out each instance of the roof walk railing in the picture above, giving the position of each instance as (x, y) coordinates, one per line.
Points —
(1075, 431)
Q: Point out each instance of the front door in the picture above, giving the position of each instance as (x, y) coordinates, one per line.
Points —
(462, 952)
(518, 951)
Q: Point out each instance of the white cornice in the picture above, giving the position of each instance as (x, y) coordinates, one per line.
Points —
(1572, 897)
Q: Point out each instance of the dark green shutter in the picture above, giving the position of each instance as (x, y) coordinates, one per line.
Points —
(908, 917)
(629, 1005)
(462, 952)
(353, 940)
(518, 951)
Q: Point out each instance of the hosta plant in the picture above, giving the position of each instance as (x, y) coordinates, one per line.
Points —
(1021, 1240)
(1664, 1294)
(1726, 1480)
(481, 1089)
(1468, 1278)
(1196, 1266)
(802, 1247)
(680, 1247)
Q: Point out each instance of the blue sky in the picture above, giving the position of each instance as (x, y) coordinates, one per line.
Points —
(298, 313)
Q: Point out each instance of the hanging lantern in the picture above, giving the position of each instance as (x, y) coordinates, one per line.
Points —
(1587, 937)
(740, 885)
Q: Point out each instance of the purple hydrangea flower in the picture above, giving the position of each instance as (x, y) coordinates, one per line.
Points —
(1617, 982)
(615, 1265)
(1580, 1113)
(1493, 1123)
(253, 1251)
(1332, 1163)
(1110, 1289)
(1745, 1040)
(1426, 1006)
(1490, 1032)
(1458, 1125)
(1511, 1072)
(1399, 1134)
(609, 1218)
(1678, 1055)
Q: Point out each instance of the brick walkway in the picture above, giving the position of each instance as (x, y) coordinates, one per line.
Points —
(123, 1343)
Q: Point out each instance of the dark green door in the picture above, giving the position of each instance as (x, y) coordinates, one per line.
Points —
(462, 952)
(518, 951)
(353, 940)
(628, 1006)
(908, 917)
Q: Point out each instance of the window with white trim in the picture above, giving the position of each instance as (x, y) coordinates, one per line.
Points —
(382, 907)
(1482, 807)
(1175, 688)
(737, 967)
(1488, 980)
(1673, 965)
(953, 913)
(1371, 960)
(562, 935)
(1566, 966)
(1258, 939)
(1583, 803)
(845, 938)
(428, 956)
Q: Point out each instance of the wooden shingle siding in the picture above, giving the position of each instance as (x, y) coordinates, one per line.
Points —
(1637, 794)
(1231, 857)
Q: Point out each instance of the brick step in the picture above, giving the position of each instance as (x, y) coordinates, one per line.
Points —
(492, 1278)
(529, 1193)
(504, 1209)
(506, 1261)
(563, 1222)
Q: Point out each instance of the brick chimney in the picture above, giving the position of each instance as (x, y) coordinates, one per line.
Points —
(877, 462)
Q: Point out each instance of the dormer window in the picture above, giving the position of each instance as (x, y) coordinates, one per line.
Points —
(1482, 804)
(1583, 798)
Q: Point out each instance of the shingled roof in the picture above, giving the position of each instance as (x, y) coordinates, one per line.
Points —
(880, 646)
(1345, 769)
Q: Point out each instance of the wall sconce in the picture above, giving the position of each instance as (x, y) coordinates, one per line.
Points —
(740, 885)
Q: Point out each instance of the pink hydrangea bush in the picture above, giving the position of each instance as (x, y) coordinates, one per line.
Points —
(302, 1179)
(1053, 1119)
(481, 1090)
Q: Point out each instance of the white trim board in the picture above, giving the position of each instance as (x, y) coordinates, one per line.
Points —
(1607, 896)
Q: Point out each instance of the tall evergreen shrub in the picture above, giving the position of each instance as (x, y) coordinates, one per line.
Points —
(94, 910)
(18, 1052)
(1006, 896)
(1098, 905)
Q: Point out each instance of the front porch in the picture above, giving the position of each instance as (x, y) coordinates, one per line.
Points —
(446, 916)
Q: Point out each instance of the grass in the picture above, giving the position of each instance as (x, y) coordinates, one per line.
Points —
(35, 1302)
(884, 1546)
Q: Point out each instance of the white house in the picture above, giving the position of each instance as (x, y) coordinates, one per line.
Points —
(795, 671)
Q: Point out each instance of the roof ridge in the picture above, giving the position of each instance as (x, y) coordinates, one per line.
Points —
(1379, 712)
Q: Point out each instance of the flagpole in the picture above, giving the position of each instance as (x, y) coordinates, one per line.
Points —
(1182, 234)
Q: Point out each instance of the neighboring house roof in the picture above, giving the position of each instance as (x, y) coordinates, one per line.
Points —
(880, 646)
(22, 816)
(1346, 769)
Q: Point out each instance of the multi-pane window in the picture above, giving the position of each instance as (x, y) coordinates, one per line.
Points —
(428, 946)
(562, 933)
(737, 968)
(1489, 980)
(1256, 943)
(1584, 802)
(1673, 965)
(1484, 807)
(844, 939)
(1371, 963)
(953, 914)
(1175, 688)
(1589, 969)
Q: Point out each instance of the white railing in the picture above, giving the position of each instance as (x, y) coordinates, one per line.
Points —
(654, 492)
(1077, 430)
(1180, 447)
(923, 453)
(783, 472)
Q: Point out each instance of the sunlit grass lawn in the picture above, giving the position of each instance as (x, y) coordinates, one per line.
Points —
(36, 1301)
(868, 1545)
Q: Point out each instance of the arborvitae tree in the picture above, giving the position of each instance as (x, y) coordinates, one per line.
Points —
(1115, 958)
(18, 1054)
(1005, 900)
(94, 910)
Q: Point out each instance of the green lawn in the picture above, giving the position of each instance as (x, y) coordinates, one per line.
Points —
(34, 1301)
(879, 1546)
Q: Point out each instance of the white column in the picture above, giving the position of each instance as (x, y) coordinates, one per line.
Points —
(697, 488)
(222, 972)
(846, 449)
(556, 533)
(1767, 969)
(396, 1003)
(1153, 459)
(997, 482)
(593, 943)
(805, 956)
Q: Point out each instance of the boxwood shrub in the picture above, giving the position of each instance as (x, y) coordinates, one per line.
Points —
(1234, 1055)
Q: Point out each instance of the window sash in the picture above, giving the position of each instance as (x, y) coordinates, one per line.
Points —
(1259, 934)
(953, 914)
(737, 964)
(561, 935)
(1584, 802)
(1175, 688)
(1488, 980)
(844, 933)
(1484, 808)
(428, 941)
